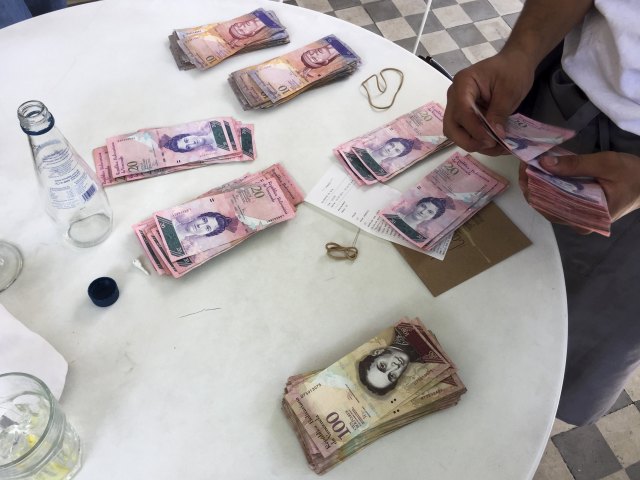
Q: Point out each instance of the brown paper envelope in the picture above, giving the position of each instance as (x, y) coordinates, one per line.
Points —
(484, 240)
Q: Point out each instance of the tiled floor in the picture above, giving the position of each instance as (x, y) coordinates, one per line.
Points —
(608, 450)
(458, 33)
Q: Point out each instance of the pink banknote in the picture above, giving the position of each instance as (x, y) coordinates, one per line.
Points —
(215, 220)
(443, 200)
(390, 149)
(151, 240)
(242, 147)
(582, 189)
(526, 138)
(156, 148)
(142, 230)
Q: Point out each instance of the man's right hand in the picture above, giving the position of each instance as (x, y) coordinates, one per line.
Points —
(496, 85)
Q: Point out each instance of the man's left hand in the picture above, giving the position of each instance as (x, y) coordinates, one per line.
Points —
(617, 173)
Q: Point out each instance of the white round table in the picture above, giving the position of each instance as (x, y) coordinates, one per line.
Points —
(183, 378)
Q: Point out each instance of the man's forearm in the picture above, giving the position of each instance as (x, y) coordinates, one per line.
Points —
(543, 24)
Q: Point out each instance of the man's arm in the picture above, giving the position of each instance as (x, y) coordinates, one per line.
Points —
(498, 84)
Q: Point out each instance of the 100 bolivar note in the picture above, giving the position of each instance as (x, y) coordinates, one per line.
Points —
(357, 392)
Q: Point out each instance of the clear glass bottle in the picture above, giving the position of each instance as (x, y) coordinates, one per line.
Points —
(74, 198)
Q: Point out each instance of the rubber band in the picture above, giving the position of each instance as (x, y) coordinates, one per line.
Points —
(381, 84)
(338, 252)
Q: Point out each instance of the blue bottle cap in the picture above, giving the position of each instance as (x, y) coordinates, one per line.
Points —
(103, 291)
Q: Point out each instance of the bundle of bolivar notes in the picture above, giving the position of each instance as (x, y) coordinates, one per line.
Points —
(205, 46)
(151, 152)
(443, 200)
(177, 240)
(395, 378)
(283, 78)
(383, 153)
(577, 201)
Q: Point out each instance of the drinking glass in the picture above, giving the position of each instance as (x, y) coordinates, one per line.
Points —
(36, 441)
(10, 264)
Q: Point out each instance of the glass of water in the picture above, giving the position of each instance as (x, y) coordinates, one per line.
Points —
(10, 264)
(36, 441)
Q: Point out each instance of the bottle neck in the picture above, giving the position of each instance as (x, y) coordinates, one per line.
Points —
(34, 118)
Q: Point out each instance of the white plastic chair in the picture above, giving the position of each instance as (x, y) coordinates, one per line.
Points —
(422, 24)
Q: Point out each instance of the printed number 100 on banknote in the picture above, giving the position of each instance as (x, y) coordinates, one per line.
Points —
(356, 392)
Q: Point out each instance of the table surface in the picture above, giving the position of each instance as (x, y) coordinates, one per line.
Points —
(183, 378)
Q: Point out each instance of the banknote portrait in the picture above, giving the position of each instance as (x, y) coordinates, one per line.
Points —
(206, 224)
(413, 220)
(390, 151)
(566, 184)
(187, 142)
(318, 57)
(517, 144)
(246, 29)
(381, 369)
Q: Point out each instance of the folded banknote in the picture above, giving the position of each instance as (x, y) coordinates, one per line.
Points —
(579, 202)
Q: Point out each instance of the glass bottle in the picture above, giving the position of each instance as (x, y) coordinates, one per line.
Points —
(74, 198)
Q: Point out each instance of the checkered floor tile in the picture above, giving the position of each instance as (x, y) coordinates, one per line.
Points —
(457, 33)
(608, 450)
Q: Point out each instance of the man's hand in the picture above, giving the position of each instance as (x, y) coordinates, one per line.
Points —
(497, 85)
(617, 173)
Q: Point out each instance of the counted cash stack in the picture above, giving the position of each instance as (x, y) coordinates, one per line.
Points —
(387, 151)
(392, 380)
(182, 238)
(282, 78)
(204, 46)
(579, 202)
(157, 151)
(443, 200)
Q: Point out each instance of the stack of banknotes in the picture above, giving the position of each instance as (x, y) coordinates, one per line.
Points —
(157, 151)
(392, 380)
(282, 78)
(579, 202)
(385, 152)
(204, 46)
(179, 239)
(443, 200)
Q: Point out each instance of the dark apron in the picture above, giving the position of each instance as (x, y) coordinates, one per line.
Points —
(602, 275)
